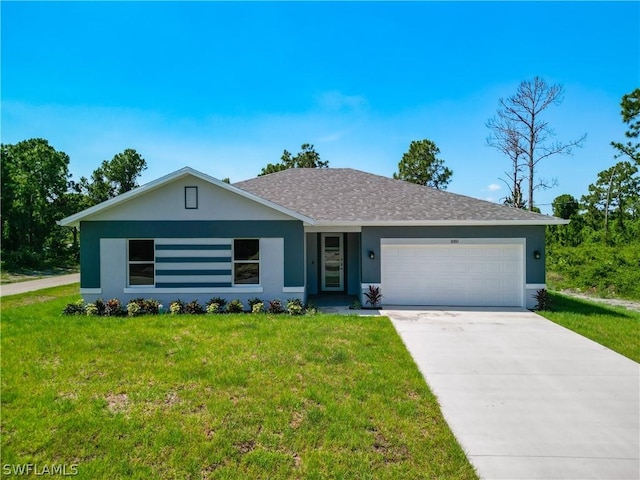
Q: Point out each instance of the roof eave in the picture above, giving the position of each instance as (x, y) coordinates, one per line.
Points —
(441, 223)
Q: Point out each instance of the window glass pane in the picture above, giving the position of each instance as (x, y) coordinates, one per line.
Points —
(246, 273)
(246, 249)
(191, 197)
(331, 242)
(141, 274)
(141, 250)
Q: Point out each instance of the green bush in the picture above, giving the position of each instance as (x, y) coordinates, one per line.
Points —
(596, 268)
(222, 303)
(91, 310)
(257, 307)
(193, 308)
(253, 301)
(295, 306)
(134, 309)
(76, 308)
(176, 307)
(235, 306)
(112, 308)
(275, 307)
(213, 308)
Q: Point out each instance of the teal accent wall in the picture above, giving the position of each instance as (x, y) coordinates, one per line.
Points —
(533, 234)
(291, 230)
(353, 263)
(313, 261)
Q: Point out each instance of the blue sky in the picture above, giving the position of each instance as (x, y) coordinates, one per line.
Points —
(226, 87)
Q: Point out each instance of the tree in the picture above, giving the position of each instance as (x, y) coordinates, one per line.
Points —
(306, 158)
(420, 165)
(515, 199)
(35, 179)
(505, 138)
(519, 131)
(614, 197)
(565, 206)
(114, 177)
(631, 116)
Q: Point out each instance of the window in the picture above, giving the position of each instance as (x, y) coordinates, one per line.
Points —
(191, 198)
(141, 262)
(246, 262)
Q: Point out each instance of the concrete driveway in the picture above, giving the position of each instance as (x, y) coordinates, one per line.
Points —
(33, 285)
(526, 398)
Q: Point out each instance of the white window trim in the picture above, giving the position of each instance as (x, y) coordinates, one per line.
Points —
(234, 262)
(140, 262)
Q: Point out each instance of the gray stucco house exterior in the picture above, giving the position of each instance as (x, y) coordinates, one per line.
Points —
(304, 232)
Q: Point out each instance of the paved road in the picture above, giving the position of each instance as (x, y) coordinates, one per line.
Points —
(526, 398)
(33, 285)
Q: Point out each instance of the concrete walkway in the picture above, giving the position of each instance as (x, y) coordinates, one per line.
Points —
(33, 285)
(526, 398)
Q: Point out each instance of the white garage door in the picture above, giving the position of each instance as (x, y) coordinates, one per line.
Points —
(461, 274)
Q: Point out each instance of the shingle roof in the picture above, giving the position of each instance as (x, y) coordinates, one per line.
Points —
(346, 196)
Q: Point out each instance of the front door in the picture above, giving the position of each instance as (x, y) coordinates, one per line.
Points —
(332, 256)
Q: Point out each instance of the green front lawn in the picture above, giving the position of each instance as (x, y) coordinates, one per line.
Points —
(613, 327)
(230, 396)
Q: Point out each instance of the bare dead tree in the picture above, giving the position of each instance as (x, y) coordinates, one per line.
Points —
(505, 138)
(520, 131)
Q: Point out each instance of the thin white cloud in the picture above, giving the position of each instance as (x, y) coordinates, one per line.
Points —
(337, 101)
(494, 187)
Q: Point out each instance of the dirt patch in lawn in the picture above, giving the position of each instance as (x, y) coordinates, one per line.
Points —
(615, 302)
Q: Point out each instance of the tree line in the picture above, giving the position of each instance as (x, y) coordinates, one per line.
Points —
(599, 250)
(37, 188)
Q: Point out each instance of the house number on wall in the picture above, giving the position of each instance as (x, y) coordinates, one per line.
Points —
(455, 241)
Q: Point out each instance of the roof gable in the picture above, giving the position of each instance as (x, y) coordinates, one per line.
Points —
(163, 199)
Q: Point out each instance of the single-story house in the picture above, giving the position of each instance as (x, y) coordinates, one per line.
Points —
(303, 232)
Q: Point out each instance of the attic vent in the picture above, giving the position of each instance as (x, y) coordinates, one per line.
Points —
(191, 197)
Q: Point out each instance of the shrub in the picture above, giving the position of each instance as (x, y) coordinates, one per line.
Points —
(151, 306)
(100, 307)
(596, 268)
(295, 307)
(257, 307)
(91, 310)
(543, 299)
(219, 300)
(275, 306)
(193, 308)
(253, 301)
(144, 307)
(133, 308)
(76, 308)
(112, 308)
(374, 296)
(235, 306)
(356, 305)
(213, 308)
(176, 307)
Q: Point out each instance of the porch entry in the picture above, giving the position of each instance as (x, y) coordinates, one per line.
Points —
(332, 262)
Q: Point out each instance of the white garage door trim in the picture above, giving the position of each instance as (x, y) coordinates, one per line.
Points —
(455, 272)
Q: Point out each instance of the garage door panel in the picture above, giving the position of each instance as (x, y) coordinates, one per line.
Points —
(457, 275)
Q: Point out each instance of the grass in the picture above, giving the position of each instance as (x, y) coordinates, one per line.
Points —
(233, 396)
(613, 327)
